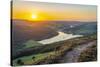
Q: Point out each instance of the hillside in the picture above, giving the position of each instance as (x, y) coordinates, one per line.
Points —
(52, 53)
(26, 37)
(84, 29)
(23, 31)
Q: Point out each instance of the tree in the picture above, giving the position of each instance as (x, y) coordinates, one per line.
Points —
(33, 58)
(20, 62)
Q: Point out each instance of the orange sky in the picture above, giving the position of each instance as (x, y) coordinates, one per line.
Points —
(51, 11)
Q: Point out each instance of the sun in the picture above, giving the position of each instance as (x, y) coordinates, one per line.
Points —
(34, 17)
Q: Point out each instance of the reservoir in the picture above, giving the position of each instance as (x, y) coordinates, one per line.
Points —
(60, 37)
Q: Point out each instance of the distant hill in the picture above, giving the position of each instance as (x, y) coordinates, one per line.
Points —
(25, 34)
(23, 31)
(73, 27)
(83, 29)
(26, 30)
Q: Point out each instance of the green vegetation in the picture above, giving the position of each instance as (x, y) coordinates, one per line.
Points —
(31, 43)
(89, 55)
(29, 59)
(50, 53)
(20, 62)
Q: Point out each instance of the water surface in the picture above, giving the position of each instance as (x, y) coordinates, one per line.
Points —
(60, 37)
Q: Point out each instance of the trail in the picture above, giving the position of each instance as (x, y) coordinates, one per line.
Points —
(73, 55)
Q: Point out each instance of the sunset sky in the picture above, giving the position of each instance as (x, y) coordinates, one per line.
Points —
(39, 11)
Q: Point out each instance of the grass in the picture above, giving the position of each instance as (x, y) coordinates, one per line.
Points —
(28, 59)
(31, 43)
(90, 54)
(51, 53)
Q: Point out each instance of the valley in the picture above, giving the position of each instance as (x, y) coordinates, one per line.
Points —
(50, 42)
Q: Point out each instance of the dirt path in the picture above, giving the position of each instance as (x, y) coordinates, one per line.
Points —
(72, 56)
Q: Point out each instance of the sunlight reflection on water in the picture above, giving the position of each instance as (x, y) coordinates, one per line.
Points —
(61, 37)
